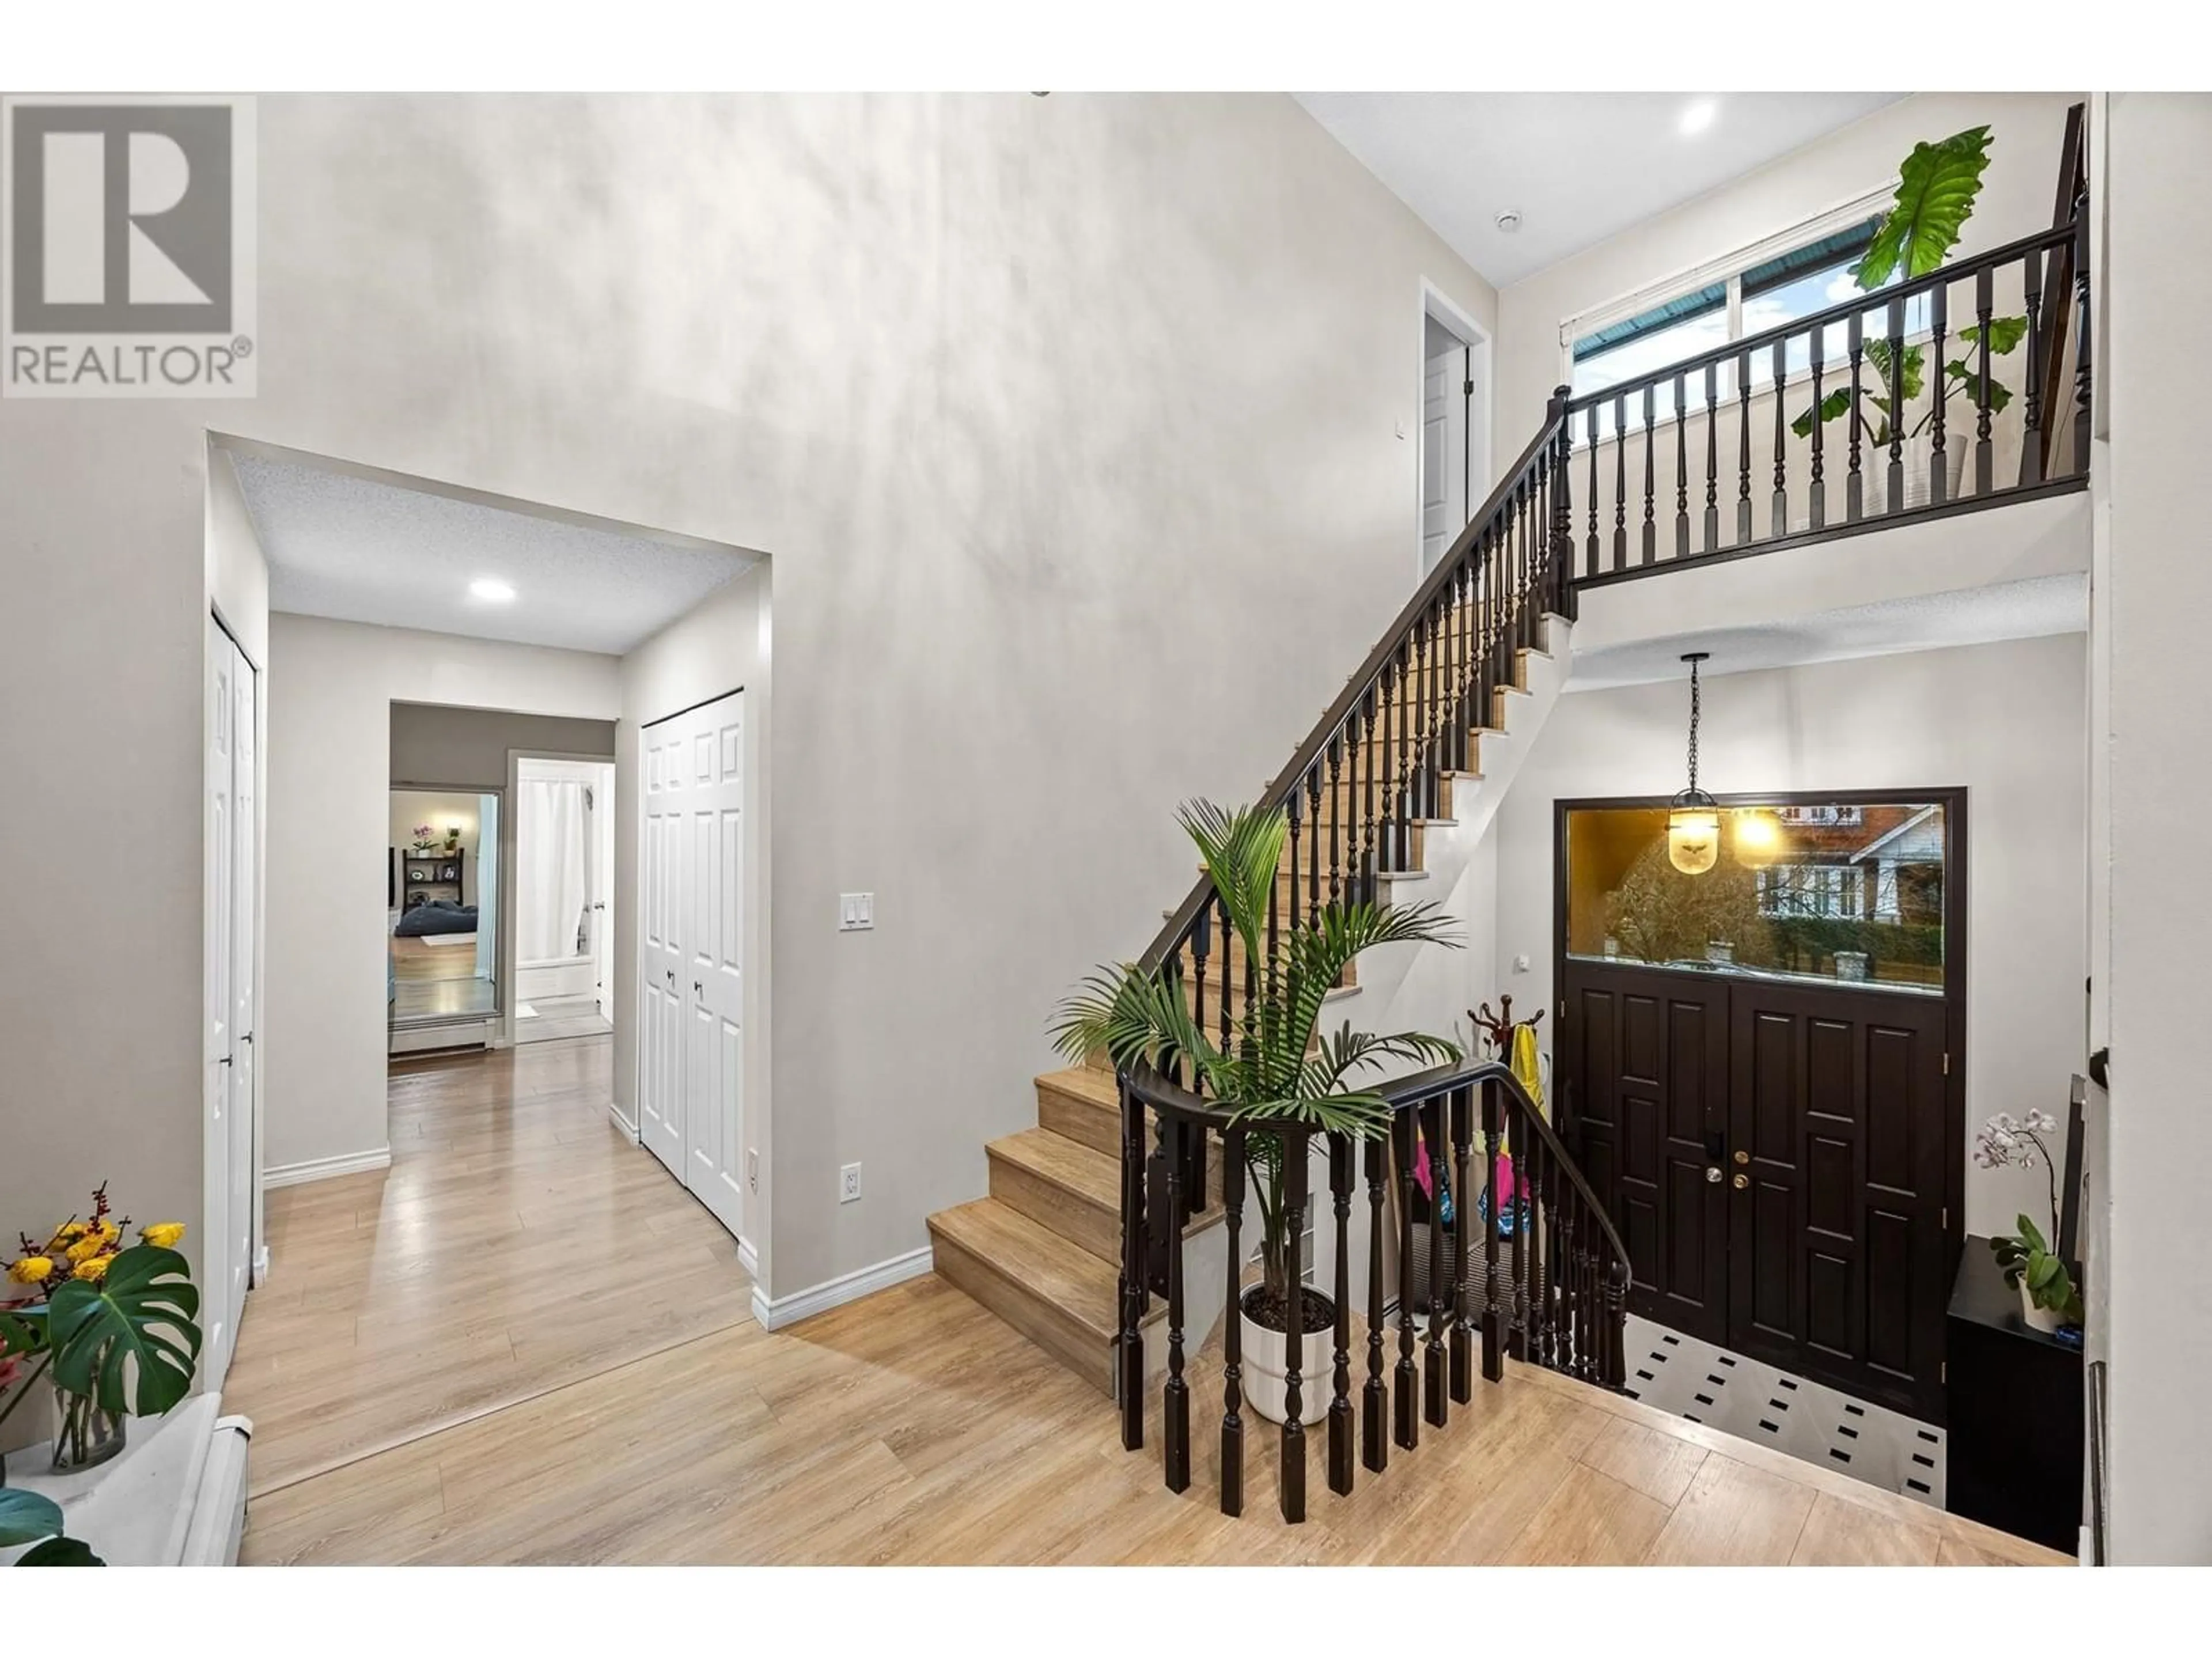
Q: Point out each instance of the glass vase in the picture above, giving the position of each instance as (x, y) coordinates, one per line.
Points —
(87, 1435)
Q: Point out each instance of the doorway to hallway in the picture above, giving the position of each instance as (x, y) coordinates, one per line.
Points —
(564, 898)
(1455, 459)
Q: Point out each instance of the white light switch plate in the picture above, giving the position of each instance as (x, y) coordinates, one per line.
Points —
(856, 912)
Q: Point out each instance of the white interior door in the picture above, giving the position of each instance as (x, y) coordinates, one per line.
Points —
(661, 953)
(714, 1056)
(218, 875)
(244, 975)
(603, 889)
(1445, 458)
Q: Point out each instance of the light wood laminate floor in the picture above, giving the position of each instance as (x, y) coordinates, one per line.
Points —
(525, 1343)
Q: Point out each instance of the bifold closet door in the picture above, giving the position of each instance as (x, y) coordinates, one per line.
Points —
(715, 877)
(231, 854)
(661, 953)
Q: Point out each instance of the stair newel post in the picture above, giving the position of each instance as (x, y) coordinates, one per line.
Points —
(1130, 1342)
(1464, 1222)
(1339, 1403)
(1175, 1394)
(1296, 1149)
(1406, 1405)
(1616, 1323)
(1493, 1314)
(1232, 1325)
(1374, 1404)
(1431, 1116)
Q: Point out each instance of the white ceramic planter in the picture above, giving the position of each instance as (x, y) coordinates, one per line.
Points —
(2039, 1319)
(1263, 1359)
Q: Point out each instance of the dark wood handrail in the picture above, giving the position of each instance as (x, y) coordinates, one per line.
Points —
(1363, 678)
(2039, 241)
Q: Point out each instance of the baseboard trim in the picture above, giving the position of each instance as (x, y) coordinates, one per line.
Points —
(775, 1315)
(749, 1259)
(628, 1127)
(326, 1169)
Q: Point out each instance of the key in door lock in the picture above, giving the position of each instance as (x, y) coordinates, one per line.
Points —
(1741, 1183)
(1742, 1157)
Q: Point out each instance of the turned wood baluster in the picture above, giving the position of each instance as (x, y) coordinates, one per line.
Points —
(1894, 502)
(1544, 1339)
(1854, 481)
(1336, 809)
(1781, 440)
(1650, 526)
(2083, 340)
(1464, 1222)
(1523, 1346)
(1294, 816)
(1712, 458)
(1364, 759)
(1201, 948)
(1495, 1312)
(1429, 1115)
(2031, 451)
(1175, 1402)
(1816, 494)
(1293, 1482)
(1620, 481)
(1375, 1400)
(1232, 1325)
(1938, 474)
(1129, 1342)
(1404, 1405)
(1681, 468)
(1339, 1402)
(1314, 838)
(1589, 548)
(1616, 1320)
(1228, 971)
(1743, 447)
(1984, 470)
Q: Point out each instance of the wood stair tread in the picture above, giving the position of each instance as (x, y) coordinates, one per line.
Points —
(1088, 1174)
(1036, 1260)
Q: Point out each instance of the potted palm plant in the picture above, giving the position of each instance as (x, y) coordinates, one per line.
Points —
(1277, 1067)
(1936, 189)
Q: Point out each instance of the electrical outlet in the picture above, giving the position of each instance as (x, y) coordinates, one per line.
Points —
(856, 912)
(849, 1184)
(752, 1168)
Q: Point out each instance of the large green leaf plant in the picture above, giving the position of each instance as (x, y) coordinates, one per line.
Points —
(1936, 192)
(1277, 1067)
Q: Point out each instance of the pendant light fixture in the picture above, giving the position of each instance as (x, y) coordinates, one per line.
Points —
(1693, 818)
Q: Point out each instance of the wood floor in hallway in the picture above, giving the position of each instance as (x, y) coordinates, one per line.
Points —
(524, 1343)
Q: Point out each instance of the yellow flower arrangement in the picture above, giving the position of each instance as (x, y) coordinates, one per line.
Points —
(93, 1267)
(163, 1235)
(31, 1269)
(85, 1249)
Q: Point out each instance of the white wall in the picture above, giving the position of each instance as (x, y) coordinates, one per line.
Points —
(2151, 606)
(328, 814)
(721, 647)
(2005, 721)
(2016, 200)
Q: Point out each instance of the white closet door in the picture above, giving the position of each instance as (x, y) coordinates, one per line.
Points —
(245, 977)
(218, 874)
(660, 999)
(714, 1057)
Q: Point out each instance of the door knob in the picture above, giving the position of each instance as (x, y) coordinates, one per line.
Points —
(697, 989)
(1712, 1173)
(1743, 1158)
(1741, 1183)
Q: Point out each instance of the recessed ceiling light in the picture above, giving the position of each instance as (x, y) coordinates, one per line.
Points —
(1698, 116)
(1510, 220)
(490, 587)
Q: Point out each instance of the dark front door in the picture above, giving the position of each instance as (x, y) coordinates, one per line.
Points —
(1838, 1266)
(1773, 1155)
(1648, 1096)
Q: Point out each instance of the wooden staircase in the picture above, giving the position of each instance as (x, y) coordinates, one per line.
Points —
(1043, 1250)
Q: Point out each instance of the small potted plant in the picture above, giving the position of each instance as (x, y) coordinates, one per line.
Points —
(425, 839)
(453, 839)
(2048, 1300)
(1936, 188)
(1275, 1069)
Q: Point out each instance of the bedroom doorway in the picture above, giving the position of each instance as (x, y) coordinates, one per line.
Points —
(563, 893)
(442, 892)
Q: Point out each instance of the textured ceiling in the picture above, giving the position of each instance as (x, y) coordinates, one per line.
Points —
(363, 550)
(1578, 167)
(2009, 611)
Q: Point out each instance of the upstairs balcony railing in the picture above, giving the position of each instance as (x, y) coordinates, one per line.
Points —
(1963, 388)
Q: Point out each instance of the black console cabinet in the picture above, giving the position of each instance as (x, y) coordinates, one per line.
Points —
(2013, 1407)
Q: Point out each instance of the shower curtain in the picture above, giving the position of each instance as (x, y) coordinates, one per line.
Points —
(549, 892)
